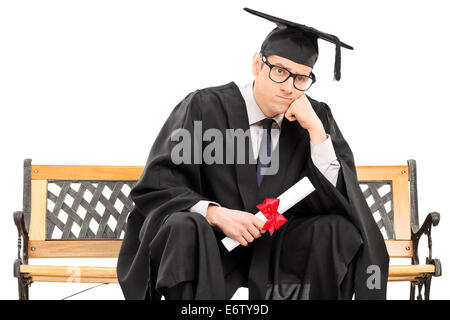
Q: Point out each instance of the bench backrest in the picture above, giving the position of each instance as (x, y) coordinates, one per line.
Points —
(81, 211)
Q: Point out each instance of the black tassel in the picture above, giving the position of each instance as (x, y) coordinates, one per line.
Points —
(337, 61)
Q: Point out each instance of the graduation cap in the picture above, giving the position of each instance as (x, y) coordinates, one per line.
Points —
(298, 42)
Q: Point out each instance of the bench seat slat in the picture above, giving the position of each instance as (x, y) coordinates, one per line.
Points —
(410, 270)
(108, 274)
(74, 280)
(69, 271)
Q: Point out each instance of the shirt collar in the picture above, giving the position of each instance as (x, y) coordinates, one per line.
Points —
(254, 112)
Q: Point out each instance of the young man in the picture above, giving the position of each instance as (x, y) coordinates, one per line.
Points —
(330, 245)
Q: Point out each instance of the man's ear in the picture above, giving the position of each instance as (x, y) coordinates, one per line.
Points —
(256, 64)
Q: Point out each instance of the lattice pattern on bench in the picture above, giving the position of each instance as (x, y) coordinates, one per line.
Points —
(79, 210)
(378, 195)
(99, 209)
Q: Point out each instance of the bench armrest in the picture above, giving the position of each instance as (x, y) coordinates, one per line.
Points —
(431, 220)
(19, 220)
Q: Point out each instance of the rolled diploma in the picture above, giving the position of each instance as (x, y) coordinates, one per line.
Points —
(288, 199)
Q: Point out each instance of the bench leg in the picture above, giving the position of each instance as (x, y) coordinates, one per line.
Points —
(22, 281)
(427, 286)
(23, 287)
(412, 290)
(422, 282)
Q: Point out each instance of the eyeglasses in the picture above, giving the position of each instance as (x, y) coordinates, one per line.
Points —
(279, 74)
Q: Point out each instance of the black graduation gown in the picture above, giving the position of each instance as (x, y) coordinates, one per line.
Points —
(166, 191)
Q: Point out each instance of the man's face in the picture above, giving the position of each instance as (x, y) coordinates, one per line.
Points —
(274, 98)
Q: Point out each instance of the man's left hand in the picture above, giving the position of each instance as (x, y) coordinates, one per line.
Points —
(302, 111)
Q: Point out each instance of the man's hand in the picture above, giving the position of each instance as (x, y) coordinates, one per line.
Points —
(302, 111)
(239, 225)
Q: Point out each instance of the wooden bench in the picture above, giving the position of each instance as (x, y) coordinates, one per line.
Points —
(80, 212)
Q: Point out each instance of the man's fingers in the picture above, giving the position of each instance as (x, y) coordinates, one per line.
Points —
(289, 115)
(247, 236)
(242, 241)
(254, 231)
(258, 222)
(291, 118)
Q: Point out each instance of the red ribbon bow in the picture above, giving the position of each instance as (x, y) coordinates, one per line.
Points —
(274, 218)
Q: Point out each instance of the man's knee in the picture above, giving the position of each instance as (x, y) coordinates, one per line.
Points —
(177, 231)
(185, 223)
(180, 221)
(335, 223)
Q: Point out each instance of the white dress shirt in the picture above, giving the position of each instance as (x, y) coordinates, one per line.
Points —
(322, 154)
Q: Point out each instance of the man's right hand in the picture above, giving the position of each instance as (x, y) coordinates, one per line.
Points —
(239, 225)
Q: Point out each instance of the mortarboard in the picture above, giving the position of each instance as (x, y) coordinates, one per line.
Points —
(298, 42)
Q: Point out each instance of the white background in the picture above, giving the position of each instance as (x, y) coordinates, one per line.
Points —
(91, 82)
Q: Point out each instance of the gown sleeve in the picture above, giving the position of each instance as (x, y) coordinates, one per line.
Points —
(324, 158)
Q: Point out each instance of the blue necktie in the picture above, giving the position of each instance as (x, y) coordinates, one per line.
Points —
(264, 159)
